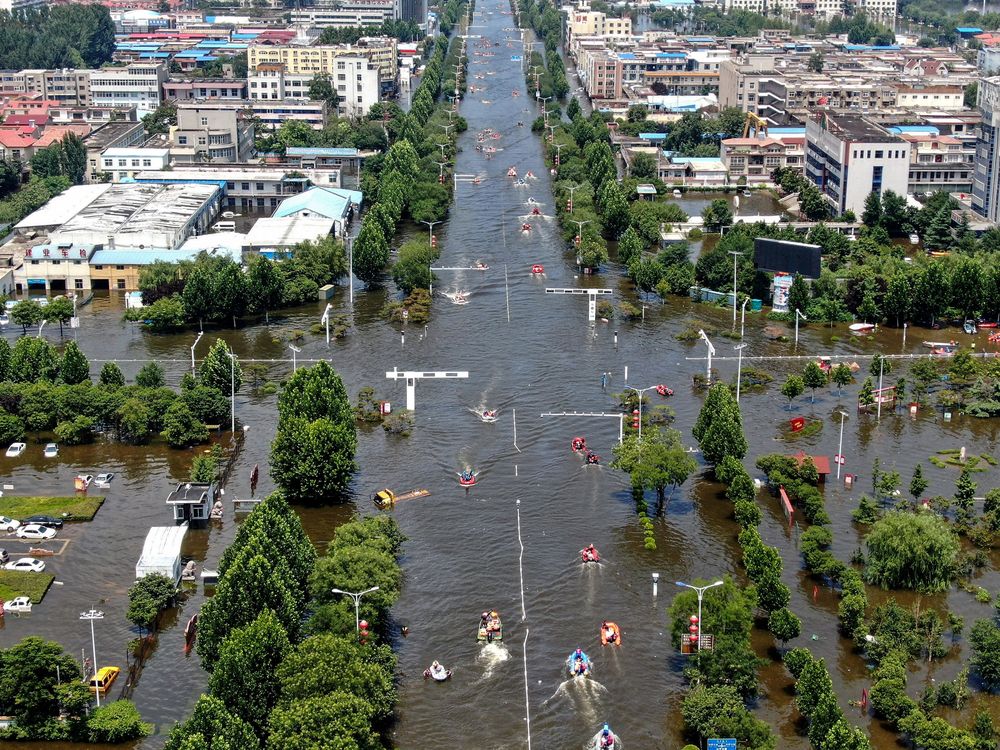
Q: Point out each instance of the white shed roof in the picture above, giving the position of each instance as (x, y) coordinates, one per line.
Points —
(162, 547)
(64, 206)
(287, 231)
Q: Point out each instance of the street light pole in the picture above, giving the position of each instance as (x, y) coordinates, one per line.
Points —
(295, 350)
(711, 350)
(739, 369)
(881, 368)
(350, 268)
(840, 446)
(736, 256)
(743, 317)
(430, 230)
(200, 334)
(797, 316)
(357, 603)
(92, 615)
(701, 593)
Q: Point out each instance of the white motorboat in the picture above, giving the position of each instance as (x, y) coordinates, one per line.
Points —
(861, 327)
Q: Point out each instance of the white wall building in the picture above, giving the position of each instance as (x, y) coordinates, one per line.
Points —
(356, 80)
(849, 157)
(125, 163)
(137, 85)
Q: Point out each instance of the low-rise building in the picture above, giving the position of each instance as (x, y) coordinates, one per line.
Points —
(343, 164)
(137, 84)
(186, 89)
(117, 133)
(212, 130)
(946, 97)
(751, 161)
(357, 83)
(324, 203)
(350, 13)
(382, 52)
(273, 113)
(276, 235)
(125, 163)
(849, 157)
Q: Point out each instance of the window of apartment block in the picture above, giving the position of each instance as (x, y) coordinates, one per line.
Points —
(119, 268)
(120, 284)
(147, 162)
(244, 186)
(78, 283)
(182, 140)
(260, 185)
(204, 121)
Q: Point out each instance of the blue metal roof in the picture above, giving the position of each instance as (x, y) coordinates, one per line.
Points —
(700, 39)
(626, 56)
(921, 129)
(787, 131)
(181, 181)
(968, 30)
(308, 151)
(132, 256)
(671, 55)
(154, 55)
(329, 202)
(653, 136)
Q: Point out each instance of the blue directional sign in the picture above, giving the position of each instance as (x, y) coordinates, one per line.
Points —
(515, 58)
(729, 743)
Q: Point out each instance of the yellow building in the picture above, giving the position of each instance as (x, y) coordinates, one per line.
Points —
(322, 59)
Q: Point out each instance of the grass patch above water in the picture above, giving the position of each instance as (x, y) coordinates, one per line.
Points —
(72, 508)
(18, 583)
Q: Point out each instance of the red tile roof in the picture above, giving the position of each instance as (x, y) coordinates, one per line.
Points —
(822, 463)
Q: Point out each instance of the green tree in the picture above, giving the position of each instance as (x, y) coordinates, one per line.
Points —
(815, 62)
(717, 214)
(320, 89)
(180, 427)
(59, 310)
(220, 371)
(135, 421)
(211, 727)
(264, 284)
(719, 427)
(243, 677)
(117, 722)
(938, 236)
(872, 215)
(33, 360)
(911, 551)
(11, 428)
(26, 313)
(614, 207)
(718, 711)
(111, 375)
(150, 376)
(149, 596)
(643, 166)
(30, 672)
(371, 252)
(73, 365)
(336, 719)
(208, 405)
(76, 431)
(784, 625)
(655, 462)
(813, 377)
(314, 460)
(630, 247)
(798, 294)
(412, 267)
(812, 203)
(880, 366)
(792, 388)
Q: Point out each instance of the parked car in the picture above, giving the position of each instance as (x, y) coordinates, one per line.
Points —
(51, 450)
(42, 520)
(8, 524)
(4, 556)
(104, 480)
(21, 604)
(36, 531)
(16, 449)
(26, 565)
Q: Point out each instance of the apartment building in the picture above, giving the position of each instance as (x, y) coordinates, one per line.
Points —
(849, 157)
(752, 160)
(62, 86)
(273, 113)
(594, 23)
(740, 80)
(11, 5)
(117, 133)
(356, 80)
(362, 13)
(937, 162)
(212, 131)
(986, 177)
(323, 59)
(136, 84)
(947, 97)
(185, 89)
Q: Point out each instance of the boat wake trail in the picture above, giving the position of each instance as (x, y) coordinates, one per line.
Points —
(583, 695)
(492, 655)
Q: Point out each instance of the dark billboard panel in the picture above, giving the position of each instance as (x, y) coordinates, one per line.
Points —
(787, 257)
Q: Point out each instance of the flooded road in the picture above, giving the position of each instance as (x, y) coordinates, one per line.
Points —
(463, 555)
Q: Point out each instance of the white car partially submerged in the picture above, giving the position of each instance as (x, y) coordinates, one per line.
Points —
(104, 480)
(16, 449)
(26, 565)
(36, 531)
(20, 604)
(51, 450)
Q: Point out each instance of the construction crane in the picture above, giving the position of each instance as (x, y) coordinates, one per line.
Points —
(755, 124)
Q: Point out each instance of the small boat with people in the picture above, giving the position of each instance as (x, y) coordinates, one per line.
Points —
(525, 227)
(480, 266)
(606, 739)
(489, 415)
(579, 664)
(490, 627)
(437, 672)
(529, 175)
(467, 478)
(512, 172)
(664, 390)
(592, 459)
(590, 554)
(579, 444)
(610, 633)
(536, 211)
(537, 268)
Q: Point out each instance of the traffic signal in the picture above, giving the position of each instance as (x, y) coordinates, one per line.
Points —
(441, 178)
(557, 160)
(434, 240)
(569, 205)
(635, 419)
(576, 240)
(550, 138)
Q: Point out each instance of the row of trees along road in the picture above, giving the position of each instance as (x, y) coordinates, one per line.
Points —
(215, 288)
(288, 670)
(42, 389)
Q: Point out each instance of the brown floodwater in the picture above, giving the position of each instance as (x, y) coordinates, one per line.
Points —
(463, 551)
